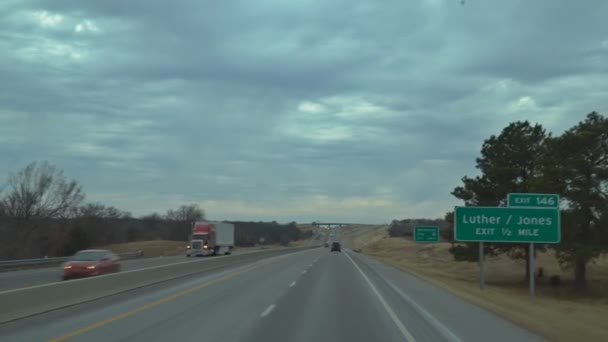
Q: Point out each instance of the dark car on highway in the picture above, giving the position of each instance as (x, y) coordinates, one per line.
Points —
(335, 247)
(89, 263)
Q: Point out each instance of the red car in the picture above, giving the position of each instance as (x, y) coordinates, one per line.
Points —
(91, 262)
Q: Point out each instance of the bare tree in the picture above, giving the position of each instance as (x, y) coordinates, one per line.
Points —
(152, 217)
(40, 190)
(98, 210)
(186, 213)
(91, 210)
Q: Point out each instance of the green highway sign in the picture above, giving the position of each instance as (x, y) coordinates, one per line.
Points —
(506, 224)
(426, 234)
(533, 200)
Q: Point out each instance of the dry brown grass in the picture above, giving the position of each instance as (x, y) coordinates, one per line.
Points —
(359, 240)
(558, 314)
(273, 246)
(298, 243)
(306, 227)
(155, 248)
(151, 248)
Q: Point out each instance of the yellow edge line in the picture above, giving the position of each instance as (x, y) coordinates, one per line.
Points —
(156, 303)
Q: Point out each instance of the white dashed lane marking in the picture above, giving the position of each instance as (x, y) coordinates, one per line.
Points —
(268, 310)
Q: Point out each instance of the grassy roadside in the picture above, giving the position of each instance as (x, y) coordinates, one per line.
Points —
(559, 314)
(155, 248)
(152, 248)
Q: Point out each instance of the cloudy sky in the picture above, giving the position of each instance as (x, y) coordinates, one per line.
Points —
(358, 111)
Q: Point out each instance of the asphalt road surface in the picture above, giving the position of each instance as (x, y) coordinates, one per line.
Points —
(31, 277)
(38, 276)
(311, 295)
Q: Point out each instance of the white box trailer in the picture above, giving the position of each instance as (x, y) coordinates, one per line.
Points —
(224, 234)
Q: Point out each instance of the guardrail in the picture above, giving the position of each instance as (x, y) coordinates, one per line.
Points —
(21, 303)
(57, 260)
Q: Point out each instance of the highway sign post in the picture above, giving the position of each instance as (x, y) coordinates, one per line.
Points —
(531, 270)
(426, 234)
(538, 221)
(482, 275)
(529, 200)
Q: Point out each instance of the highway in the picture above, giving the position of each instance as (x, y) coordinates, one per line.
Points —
(31, 277)
(310, 295)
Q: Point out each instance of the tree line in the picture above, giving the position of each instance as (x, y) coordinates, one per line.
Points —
(43, 213)
(524, 157)
(253, 233)
(405, 227)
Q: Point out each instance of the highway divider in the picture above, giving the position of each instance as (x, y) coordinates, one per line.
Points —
(21, 303)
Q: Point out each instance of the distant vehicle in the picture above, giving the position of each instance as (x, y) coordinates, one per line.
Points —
(211, 238)
(89, 263)
(335, 247)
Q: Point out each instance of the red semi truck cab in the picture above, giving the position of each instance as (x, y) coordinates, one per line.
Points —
(202, 234)
(209, 238)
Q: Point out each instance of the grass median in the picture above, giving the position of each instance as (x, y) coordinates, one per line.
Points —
(155, 248)
(557, 313)
(151, 248)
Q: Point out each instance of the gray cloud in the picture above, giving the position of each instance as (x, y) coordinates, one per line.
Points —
(288, 111)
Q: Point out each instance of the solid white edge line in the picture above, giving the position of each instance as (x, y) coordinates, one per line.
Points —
(268, 310)
(447, 333)
(406, 334)
(293, 283)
